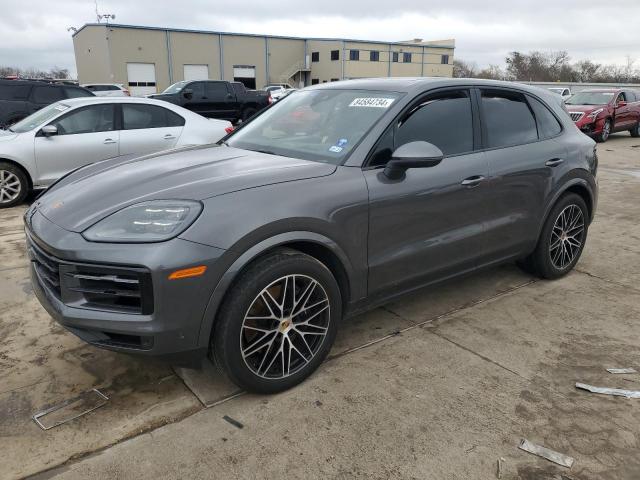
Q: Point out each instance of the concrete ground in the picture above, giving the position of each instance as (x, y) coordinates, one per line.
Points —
(439, 384)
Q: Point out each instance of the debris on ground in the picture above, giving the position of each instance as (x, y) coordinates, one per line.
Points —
(621, 370)
(70, 409)
(609, 391)
(551, 455)
(233, 421)
(500, 467)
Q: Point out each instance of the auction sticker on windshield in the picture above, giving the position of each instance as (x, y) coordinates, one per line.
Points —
(375, 102)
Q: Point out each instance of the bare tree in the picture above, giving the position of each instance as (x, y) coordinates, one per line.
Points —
(462, 69)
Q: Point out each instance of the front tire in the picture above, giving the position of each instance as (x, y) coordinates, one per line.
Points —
(635, 131)
(603, 136)
(562, 238)
(277, 323)
(14, 185)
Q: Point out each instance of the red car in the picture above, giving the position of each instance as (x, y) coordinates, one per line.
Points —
(601, 112)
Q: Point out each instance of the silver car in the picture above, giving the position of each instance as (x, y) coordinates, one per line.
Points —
(71, 133)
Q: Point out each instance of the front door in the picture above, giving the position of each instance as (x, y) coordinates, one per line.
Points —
(429, 224)
(85, 135)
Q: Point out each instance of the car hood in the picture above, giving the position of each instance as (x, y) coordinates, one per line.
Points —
(93, 192)
(584, 108)
(6, 135)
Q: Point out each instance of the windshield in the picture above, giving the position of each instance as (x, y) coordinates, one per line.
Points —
(41, 116)
(557, 90)
(176, 87)
(319, 125)
(590, 98)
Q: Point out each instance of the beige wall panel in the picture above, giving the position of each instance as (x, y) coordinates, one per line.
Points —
(283, 55)
(139, 46)
(325, 69)
(194, 49)
(92, 55)
(238, 50)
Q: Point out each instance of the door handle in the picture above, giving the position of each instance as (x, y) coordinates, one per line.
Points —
(472, 181)
(168, 136)
(554, 162)
(109, 141)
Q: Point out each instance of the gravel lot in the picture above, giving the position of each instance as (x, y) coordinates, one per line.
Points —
(439, 384)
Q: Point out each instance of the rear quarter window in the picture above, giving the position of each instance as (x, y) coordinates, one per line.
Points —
(548, 124)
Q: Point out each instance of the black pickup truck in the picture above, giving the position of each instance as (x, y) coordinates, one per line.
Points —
(216, 99)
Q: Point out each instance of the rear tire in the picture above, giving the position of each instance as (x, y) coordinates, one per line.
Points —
(635, 131)
(14, 185)
(271, 332)
(562, 238)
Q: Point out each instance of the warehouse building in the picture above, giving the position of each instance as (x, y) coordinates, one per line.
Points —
(149, 59)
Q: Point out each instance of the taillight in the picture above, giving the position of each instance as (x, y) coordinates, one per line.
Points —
(229, 129)
(270, 99)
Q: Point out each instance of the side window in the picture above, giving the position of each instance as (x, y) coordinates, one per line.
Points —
(96, 118)
(14, 92)
(198, 90)
(445, 121)
(548, 125)
(138, 116)
(216, 90)
(621, 98)
(75, 92)
(508, 119)
(46, 94)
(631, 96)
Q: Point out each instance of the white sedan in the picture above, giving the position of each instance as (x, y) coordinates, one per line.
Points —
(63, 136)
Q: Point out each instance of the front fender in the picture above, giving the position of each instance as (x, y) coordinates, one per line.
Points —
(357, 280)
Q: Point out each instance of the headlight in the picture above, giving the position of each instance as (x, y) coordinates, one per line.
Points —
(153, 221)
(595, 113)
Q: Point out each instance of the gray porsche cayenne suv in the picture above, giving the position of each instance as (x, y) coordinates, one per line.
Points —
(334, 200)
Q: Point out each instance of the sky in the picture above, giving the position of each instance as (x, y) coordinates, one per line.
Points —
(35, 31)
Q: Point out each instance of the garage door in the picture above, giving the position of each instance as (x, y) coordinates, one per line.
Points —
(141, 78)
(196, 72)
(245, 74)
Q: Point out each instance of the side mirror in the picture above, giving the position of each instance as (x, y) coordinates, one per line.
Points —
(187, 93)
(49, 130)
(412, 155)
(621, 103)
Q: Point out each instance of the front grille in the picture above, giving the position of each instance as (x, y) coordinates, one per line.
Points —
(575, 116)
(47, 268)
(101, 287)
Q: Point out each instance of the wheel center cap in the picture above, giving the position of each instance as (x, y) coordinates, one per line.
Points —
(285, 325)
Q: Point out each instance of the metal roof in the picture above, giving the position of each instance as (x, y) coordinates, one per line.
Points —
(184, 30)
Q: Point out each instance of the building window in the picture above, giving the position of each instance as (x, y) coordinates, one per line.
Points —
(315, 56)
(335, 54)
(374, 56)
(444, 60)
(315, 81)
(394, 56)
(354, 55)
(406, 57)
(335, 79)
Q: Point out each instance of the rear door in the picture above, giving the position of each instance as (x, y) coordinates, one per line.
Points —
(223, 100)
(85, 135)
(148, 128)
(519, 133)
(429, 224)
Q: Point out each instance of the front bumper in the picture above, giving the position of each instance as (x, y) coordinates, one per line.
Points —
(118, 296)
(590, 127)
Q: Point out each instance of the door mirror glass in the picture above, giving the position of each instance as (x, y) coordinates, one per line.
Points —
(187, 93)
(49, 130)
(412, 155)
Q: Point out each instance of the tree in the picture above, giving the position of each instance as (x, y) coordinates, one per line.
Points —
(462, 69)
